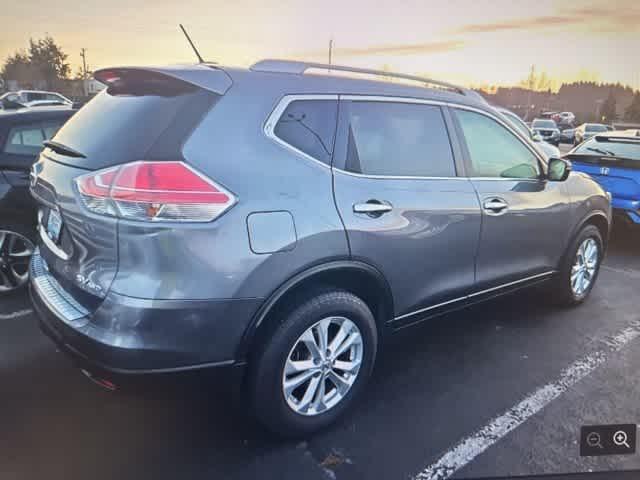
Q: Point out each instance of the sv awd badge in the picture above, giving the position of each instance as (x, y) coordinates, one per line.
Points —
(88, 284)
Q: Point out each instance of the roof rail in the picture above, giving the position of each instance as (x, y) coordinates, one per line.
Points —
(299, 68)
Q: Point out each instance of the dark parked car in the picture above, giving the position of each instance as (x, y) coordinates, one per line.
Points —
(613, 160)
(280, 224)
(568, 135)
(21, 135)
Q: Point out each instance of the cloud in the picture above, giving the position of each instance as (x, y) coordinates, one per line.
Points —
(393, 49)
(593, 18)
(519, 24)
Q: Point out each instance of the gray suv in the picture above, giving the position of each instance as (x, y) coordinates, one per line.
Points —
(278, 222)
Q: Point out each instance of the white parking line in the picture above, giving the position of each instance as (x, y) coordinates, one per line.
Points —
(472, 446)
(631, 273)
(19, 313)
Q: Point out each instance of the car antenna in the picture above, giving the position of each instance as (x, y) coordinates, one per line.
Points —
(195, 50)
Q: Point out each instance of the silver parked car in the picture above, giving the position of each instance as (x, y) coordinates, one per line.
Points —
(280, 224)
(588, 130)
(547, 129)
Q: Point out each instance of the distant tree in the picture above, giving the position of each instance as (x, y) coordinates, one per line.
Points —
(44, 62)
(18, 67)
(48, 57)
(608, 109)
(632, 113)
(82, 74)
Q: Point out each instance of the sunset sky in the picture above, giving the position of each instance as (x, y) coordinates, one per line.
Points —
(471, 42)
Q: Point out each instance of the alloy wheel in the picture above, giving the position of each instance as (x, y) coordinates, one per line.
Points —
(584, 267)
(322, 366)
(15, 254)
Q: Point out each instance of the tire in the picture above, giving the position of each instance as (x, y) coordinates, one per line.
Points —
(563, 289)
(14, 268)
(277, 410)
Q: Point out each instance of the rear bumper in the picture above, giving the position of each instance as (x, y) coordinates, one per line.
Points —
(127, 335)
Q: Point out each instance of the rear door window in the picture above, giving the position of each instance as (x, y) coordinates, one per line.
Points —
(25, 140)
(309, 126)
(51, 128)
(398, 139)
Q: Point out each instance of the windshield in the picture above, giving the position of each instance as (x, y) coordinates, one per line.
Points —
(595, 147)
(543, 124)
(595, 128)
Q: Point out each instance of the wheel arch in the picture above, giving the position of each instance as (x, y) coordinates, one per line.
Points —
(359, 278)
(596, 218)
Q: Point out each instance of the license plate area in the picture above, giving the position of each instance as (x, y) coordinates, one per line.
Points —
(54, 225)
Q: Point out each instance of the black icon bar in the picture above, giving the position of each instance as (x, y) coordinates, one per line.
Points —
(608, 440)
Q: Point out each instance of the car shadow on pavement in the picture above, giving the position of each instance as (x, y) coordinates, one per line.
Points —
(475, 362)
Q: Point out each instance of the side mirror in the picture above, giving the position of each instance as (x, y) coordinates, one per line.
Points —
(559, 169)
(535, 136)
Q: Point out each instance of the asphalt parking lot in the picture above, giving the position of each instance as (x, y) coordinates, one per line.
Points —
(446, 400)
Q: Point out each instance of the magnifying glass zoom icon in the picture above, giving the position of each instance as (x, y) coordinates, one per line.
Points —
(620, 438)
(593, 439)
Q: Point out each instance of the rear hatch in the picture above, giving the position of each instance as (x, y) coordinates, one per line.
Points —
(144, 114)
(614, 163)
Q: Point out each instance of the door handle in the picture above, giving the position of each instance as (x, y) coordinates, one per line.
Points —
(495, 206)
(373, 208)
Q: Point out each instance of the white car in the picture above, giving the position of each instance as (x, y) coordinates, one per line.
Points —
(47, 103)
(24, 97)
(566, 117)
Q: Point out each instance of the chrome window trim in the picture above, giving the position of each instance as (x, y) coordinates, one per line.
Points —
(472, 295)
(283, 103)
(393, 99)
(395, 177)
(274, 118)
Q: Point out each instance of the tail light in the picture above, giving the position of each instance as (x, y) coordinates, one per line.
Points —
(154, 191)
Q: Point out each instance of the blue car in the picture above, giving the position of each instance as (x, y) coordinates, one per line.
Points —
(613, 160)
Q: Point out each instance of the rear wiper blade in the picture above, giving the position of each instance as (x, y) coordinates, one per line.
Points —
(63, 149)
(601, 151)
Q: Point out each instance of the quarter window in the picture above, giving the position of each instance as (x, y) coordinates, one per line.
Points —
(398, 139)
(309, 126)
(494, 150)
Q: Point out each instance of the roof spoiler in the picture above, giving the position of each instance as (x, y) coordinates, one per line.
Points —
(625, 136)
(203, 76)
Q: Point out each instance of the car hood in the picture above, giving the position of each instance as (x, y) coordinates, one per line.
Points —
(547, 150)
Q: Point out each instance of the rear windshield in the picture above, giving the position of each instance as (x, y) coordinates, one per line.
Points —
(595, 128)
(116, 127)
(629, 150)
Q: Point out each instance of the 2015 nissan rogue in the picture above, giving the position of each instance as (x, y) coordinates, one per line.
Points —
(282, 222)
